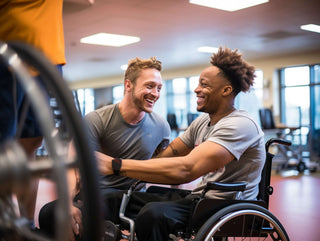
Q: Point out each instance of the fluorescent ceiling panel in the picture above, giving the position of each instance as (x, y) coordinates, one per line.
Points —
(311, 27)
(207, 49)
(108, 39)
(228, 5)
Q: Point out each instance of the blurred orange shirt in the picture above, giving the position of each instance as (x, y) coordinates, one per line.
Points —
(36, 22)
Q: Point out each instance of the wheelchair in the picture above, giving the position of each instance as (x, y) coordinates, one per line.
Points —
(291, 133)
(60, 122)
(220, 220)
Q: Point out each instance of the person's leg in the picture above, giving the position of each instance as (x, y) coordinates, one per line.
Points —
(112, 200)
(47, 219)
(30, 139)
(11, 99)
(111, 204)
(156, 220)
(8, 101)
(28, 197)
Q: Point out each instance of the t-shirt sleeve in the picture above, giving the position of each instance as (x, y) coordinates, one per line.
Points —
(188, 137)
(236, 134)
(94, 124)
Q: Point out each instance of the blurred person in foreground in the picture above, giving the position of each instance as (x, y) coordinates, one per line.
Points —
(39, 24)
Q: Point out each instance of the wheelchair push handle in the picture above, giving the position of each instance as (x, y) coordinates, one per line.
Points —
(278, 141)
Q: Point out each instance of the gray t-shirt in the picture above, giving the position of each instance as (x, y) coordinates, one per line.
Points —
(109, 133)
(241, 136)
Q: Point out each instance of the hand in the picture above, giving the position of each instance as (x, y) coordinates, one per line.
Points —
(76, 222)
(104, 163)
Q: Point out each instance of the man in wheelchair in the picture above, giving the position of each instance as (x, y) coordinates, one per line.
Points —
(223, 144)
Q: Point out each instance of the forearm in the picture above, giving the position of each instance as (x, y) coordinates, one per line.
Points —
(73, 178)
(181, 169)
(72, 184)
(160, 170)
(170, 170)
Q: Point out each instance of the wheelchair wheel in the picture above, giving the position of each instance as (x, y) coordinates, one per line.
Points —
(242, 221)
(301, 166)
(17, 170)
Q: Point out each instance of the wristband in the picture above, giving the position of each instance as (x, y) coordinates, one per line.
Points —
(116, 166)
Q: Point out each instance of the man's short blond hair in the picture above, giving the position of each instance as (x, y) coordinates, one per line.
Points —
(137, 64)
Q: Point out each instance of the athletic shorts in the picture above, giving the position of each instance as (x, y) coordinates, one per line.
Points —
(12, 99)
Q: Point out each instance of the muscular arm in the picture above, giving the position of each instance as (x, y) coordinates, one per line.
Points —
(205, 158)
(175, 148)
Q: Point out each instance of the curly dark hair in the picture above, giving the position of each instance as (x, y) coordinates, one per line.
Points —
(236, 70)
(137, 64)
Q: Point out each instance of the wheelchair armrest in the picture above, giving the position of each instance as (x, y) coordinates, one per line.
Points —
(278, 141)
(136, 185)
(237, 186)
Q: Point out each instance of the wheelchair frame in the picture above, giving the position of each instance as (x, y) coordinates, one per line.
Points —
(222, 219)
(17, 170)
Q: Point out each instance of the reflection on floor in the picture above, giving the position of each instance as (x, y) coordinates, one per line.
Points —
(295, 202)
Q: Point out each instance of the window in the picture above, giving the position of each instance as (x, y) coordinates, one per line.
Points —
(252, 100)
(181, 99)
(86, 100)
(117, 93)
(300, 101)
(315, 96)
(193, 83)
(296, 111)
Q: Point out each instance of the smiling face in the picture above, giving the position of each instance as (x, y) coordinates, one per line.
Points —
(211, 90)
(146, 90)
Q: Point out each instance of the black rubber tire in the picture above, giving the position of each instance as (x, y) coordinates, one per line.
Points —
(246, 208)
(301, 166)
(57, 86)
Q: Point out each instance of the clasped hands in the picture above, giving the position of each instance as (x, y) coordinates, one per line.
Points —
(104, 164)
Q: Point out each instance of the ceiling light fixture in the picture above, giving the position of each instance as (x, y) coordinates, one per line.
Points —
(124, 67)
(207, 49)
(311, 27)
(228, 5)
(108, 39)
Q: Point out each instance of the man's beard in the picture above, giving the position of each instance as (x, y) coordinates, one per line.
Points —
(139, 103)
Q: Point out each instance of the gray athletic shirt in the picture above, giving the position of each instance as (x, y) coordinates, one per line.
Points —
(241, 136)
(109, 133)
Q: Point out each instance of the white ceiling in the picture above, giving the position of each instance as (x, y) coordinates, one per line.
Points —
(172, 30)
